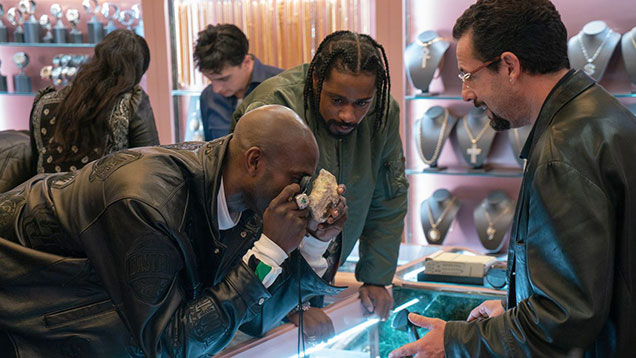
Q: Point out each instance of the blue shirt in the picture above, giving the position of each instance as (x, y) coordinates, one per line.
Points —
(216, 110)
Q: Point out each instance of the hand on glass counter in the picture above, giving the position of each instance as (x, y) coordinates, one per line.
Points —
(317, 326)
(486, 309)
(376, 299)
(429, 346)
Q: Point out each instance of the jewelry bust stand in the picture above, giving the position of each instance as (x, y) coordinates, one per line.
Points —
(475, 136)
(430, 133)
(437, 213)
(517, 138)
(628, 48)
(592, 48)
(493, 218)
(422, 57)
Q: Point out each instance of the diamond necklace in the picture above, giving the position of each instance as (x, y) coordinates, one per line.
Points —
(474, 150)
(438, 146)
(491, 231)
(589, 67)
(434, 233)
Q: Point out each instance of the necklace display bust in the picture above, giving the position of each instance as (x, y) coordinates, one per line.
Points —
(628, 48)
(430, 134)
(517, 138)
(592, 48)
(437, 213)
(422, 57)
(474, 137)
(493, 218)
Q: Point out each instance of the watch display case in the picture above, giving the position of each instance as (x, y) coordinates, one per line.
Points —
(55, 38)
(472, 170)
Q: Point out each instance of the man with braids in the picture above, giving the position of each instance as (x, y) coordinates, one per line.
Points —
(155, 251)
(343, 95)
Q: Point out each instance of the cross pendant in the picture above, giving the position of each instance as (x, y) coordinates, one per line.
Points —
(473, 151)
(425, 56)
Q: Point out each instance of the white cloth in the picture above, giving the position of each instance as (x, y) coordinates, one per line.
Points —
(226, 220)
(312, 250)
(269, 253)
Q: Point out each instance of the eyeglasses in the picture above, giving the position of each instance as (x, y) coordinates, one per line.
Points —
(466, 76)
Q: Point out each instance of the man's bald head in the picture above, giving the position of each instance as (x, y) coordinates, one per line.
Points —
(275, 129)
(271, 149)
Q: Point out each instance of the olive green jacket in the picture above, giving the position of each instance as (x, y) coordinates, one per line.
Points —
(372, 168)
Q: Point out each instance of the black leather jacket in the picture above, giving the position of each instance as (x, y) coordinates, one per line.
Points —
(572, 256)
(15, 159)
(124, 258)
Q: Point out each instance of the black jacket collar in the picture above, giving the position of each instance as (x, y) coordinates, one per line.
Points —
(568, 87)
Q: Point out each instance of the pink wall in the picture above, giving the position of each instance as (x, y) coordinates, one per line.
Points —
(470, 190)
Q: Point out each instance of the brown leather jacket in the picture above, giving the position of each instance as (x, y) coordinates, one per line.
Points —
(124, 258)
(572, 256)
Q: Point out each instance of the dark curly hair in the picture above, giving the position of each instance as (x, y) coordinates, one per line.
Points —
(531, 29)
(218, 46)
(355, 53)
(119, 62)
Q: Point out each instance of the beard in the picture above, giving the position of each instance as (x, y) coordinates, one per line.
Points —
(496, 122)
(333, 124)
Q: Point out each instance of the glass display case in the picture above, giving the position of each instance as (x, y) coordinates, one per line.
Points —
(360, 335)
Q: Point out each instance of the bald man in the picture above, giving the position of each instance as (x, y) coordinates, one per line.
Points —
(145, 252)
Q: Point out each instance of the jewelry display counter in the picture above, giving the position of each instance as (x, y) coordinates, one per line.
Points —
(359, 334)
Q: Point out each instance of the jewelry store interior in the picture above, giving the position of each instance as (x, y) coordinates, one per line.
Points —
(463, 176)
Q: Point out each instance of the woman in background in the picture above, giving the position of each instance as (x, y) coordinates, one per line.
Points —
(104, 110)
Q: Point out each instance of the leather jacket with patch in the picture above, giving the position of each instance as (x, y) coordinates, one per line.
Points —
(124, 258)
(572, 255)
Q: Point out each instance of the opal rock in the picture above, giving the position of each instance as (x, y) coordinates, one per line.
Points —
(324, 196)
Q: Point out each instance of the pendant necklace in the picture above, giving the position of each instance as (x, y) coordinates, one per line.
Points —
(438, 146)
(474, 150)
(426, 51)
(491, 231)
(589, 67)
(433, 233)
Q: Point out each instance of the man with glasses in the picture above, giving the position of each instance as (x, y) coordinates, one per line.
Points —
(572, 257)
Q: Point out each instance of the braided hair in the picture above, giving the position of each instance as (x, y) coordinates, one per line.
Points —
(353, 53)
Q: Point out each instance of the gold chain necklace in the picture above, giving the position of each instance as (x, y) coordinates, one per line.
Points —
(426, 51)
(433, 233)
(589, 67)
(491, 231)
(474, 150)
(438, 146)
